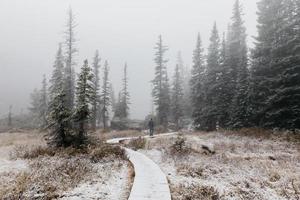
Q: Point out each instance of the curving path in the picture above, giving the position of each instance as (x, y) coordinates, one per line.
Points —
(150, 183)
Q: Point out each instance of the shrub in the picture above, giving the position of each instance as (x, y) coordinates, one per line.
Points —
(180, 147)
(106, 150)
(26, 152)
(138, 143)
(195, 192)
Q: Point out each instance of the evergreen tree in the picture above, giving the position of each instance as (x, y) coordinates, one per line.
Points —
(59, 119)
(57, 75)
(43, 105)
(160, 84)
(276, 69)
(125, 96)
(238, 69)
(262, 59)
(70, 61)
(39, 105)
(34, 107)
(118, 110)
(177, 97)
(9, 122)
(114, 103)
(197, 81)
(96, 88)
(84, 97)
(211, 86)
(105, 96)
(185, 73)
(223, 98)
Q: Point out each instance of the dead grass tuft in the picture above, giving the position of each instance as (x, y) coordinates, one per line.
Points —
(136, 144)
(194, 192)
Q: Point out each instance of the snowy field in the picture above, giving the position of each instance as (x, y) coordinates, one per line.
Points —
(228, 165)
(63, 176)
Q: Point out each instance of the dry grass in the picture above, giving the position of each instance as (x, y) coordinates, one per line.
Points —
(51, 171)
(21, 138)
(136, 144)
(194, 192)
(118, 134)
(246, 165)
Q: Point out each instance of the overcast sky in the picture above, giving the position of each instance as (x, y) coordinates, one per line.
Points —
(122, 31)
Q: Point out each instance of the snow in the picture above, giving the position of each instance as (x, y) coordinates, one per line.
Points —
(7, 165)
(110, 185)
(150, 182)
(240, 169)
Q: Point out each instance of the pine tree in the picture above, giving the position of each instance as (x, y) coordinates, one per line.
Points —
(59, 117)
(211, 107)
(279, 30)
(125, 95)
(57, 75)
(185, 73)
(43, 105)
(113, 101)
(9, 122)
(261, 69)
(96, 88)
(34, 107)
(84, 98)
(39, 105)
(118, 110)
(197, 81)
(160, 84)
(238, 64)
(70, 61)
(105, 96)
(177, 97)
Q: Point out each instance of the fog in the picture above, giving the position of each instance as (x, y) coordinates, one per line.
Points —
(122, 31)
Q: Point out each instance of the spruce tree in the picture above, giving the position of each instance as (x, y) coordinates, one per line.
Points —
(238, 64)
(177, 104)
(223, 98)
(160, 84)
(9, 122)
(96, 88)
(262, 59)
(34, 107)
(59, 117)
(84, 98)
(43, 105)
(211, 107)
(279, 107)
(125, 95)
(185, 73)
(71, 50)
(105, 96)
(197, 81)
(57, 75)
(113, 101)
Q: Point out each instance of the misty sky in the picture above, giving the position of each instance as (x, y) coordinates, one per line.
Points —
(122, 31)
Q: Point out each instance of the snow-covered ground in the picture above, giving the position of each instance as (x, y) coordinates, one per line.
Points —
(70, 177)
(241, 168)
(110, 183)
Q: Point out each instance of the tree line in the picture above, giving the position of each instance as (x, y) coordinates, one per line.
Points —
(233, 86)
(72, 105)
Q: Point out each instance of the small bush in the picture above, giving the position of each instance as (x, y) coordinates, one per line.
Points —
(138, 143)
(188, 171)
(180, 147)
(107, 150)
(195, 192)
(26, 152)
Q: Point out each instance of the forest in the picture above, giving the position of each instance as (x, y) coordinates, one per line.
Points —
(237, 103)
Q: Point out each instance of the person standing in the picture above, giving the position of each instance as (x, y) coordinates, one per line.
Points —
(151, 127)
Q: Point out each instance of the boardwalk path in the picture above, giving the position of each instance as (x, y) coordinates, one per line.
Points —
(150, 183)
